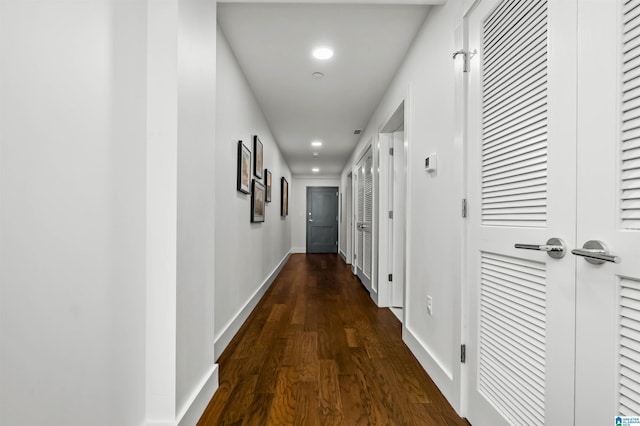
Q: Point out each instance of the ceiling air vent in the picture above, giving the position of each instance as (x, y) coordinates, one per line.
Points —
(357, 131)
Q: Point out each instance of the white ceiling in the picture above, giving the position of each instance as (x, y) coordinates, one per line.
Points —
(273, 43)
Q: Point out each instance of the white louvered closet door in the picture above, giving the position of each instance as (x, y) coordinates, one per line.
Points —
(608, 295)
(364, 219)
(521, 189)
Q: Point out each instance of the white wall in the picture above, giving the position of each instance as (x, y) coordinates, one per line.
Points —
(298, 207)
(72, 213)
(426, 82)
(107, 135)
(195, 202)
(247, 254)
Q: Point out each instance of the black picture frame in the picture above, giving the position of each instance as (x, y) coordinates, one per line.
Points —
(284, 197)
(257, 201)
(244, 168)
(258, 164)
(267, 184)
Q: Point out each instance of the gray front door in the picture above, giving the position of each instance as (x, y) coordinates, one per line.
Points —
(322, 219)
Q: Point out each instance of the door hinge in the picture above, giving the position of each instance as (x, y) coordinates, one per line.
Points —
(391, 215)
(464, 207)
(390, 151)
(337, 194)
(390, 277)
(463, 353)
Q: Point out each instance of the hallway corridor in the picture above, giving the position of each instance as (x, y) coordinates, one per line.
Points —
(316, 350)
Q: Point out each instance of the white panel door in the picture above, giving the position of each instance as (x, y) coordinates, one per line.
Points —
(608, 294)
(399, 222)
(521, 183)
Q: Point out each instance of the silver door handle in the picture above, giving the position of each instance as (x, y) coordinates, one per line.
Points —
(310, 220)
(363, 226)
(596, 253)
(555, 247)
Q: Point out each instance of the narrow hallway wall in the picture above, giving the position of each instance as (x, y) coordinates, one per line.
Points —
(248, 255)
(195, 265)
(72, 212)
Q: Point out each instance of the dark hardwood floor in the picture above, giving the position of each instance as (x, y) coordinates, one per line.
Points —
(317, 351)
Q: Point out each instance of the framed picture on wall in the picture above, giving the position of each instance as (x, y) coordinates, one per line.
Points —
(267, 182)
(257, 153)
(284, 201)
(244, 168)
(257, 202)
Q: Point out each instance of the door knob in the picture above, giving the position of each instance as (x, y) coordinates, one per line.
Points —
(555, 247)
(310, 220)
(596, 253)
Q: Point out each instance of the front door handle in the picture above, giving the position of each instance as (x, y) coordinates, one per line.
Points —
(555, 247)
(596, 253)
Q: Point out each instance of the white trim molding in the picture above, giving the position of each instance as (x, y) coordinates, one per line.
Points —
(442, 377)
(197, 403)
(232, 327)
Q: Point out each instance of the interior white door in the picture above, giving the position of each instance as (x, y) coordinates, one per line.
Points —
(358, 214)
(364, 218)
(398, 225)
(608, 294)
(521, 184)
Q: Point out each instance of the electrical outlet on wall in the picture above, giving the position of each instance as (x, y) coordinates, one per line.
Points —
(429, 305)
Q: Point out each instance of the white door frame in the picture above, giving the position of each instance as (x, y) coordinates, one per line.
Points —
(388, 227)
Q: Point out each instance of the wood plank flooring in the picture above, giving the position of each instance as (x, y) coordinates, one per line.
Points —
(317, 351)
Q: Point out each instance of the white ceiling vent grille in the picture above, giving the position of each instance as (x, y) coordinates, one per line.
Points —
(514, 115)
(512, 337)
(629, 369)
(630, 176)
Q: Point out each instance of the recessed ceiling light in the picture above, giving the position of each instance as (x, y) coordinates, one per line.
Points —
(316, 143)
(323, 53)
(315, 170)
(317, 75)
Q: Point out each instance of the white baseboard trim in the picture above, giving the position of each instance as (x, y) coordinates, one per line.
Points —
(299, 250)
(442, 377)
(232, 327)
(343, 255)
(197, 403)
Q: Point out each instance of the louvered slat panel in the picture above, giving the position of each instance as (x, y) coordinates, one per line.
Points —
(360, 179)
(630, 148)
(367, 254)
(368, 213)
(629, 338)
(368, 189)
(513, 337)
(502, 188)
(529, 359)
(514, 115)
(527, 76)
(630, 5)
(515, 148)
